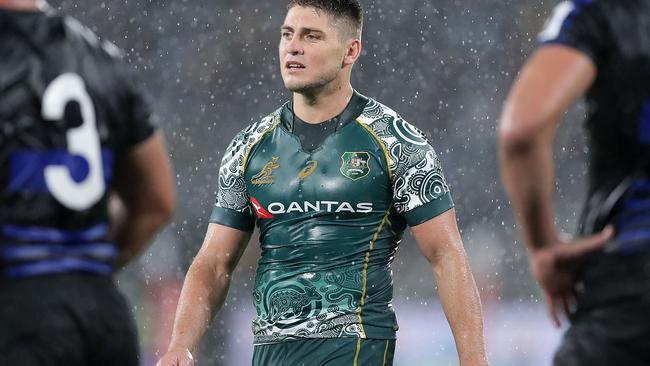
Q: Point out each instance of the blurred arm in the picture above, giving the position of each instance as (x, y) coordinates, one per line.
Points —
(143, 200)
(206, 285)
(550, 81)
(440, 242)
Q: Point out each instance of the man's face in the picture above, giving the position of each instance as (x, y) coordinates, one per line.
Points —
(311, 51)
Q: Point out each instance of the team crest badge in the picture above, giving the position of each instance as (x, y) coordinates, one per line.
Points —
(355, 165)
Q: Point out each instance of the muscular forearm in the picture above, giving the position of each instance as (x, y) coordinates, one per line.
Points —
(462, 307)
(527, 172)
(134, 228)
(550, 81)
(205, 289)
(203, 294)
(136, 233)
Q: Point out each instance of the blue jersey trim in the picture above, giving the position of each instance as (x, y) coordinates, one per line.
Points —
(63, 265)
(633, 221)
(640, 185)
(568, 21)
(27, 172)
(100, 251)
(644, 125)
(637, 204)
(634, 235)
(35, 233)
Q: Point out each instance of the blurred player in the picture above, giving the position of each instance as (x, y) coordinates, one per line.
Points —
(332, 178)
(599, 49)
(75, 132)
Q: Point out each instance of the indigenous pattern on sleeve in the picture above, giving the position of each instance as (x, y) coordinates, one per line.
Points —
(414, 165)
(232, 194)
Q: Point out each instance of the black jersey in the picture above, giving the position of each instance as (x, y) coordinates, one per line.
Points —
(615, 34)
(69, 106)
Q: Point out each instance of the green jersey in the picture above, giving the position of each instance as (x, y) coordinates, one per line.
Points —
(330, 219)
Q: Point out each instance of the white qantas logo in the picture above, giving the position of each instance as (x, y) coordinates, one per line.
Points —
(319, 206)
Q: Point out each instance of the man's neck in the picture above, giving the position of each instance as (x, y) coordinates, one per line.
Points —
(22, 5)
(322, 106)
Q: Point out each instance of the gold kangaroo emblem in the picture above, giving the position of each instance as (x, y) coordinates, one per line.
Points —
(266, 175)
(308, 169)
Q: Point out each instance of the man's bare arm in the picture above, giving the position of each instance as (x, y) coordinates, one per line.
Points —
(551, 80)
(143, 200)
(440, 242)
(205, 288)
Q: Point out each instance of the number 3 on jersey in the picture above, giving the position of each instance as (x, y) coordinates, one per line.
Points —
(82, 141)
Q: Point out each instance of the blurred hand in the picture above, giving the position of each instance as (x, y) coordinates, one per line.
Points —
(555, 268)
(182, 357)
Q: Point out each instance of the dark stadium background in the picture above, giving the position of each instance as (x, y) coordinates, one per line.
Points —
(211, 67)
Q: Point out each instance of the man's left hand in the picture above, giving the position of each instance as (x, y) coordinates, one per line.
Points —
(555, 267)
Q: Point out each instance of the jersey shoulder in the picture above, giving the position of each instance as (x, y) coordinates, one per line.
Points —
(86, 38)
(236, 154)
(420, 191)
(568, 20)
(405, 144)
(608, 31)
(232, 185)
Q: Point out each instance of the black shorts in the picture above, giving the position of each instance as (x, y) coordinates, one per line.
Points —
(613, 333)
(612, 323)
(65, 320)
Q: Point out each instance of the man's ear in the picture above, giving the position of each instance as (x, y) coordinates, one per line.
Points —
(353, 51)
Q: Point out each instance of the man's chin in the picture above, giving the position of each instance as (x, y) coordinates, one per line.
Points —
(304, 88)
(298, 87)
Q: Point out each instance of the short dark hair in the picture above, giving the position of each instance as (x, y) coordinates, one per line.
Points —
(349, 10)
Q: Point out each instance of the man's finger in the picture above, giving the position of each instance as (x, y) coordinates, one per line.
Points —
(167, 362)
(175, 360)
(551, 306)
(566, 306)
(573, 304)
(187, 360)
(587, 244)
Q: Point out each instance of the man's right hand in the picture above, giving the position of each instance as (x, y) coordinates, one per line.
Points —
(179, 357)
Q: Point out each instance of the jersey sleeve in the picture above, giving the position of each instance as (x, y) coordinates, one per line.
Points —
(232, 207)
(577, 24)
(420, 191)
(140, 119)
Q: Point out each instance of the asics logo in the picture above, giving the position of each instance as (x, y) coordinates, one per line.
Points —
(308, 169)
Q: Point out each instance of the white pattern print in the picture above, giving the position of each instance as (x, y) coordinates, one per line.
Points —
(232, 185)
(416, 170)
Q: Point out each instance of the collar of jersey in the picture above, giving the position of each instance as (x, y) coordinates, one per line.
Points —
(352, 111)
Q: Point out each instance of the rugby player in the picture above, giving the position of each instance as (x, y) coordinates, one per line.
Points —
(599, 49)
(75, 132)
(332, 178)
